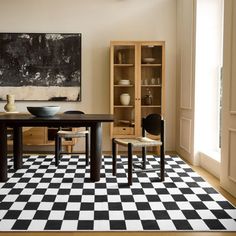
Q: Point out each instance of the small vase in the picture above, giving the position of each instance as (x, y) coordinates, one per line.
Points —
(125, 99)
(10, 106)
(148, 98)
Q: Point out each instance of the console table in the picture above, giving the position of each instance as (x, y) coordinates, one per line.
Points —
(17, 121)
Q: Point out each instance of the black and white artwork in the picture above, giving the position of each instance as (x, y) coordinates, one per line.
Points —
(40, 66)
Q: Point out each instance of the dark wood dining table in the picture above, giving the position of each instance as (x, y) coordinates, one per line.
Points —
(18, 120)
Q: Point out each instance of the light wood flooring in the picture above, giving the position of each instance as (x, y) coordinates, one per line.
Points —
(208, 177)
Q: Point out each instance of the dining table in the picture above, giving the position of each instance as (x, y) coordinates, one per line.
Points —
(17, 121)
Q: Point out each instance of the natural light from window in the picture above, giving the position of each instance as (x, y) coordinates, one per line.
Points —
(209, 31)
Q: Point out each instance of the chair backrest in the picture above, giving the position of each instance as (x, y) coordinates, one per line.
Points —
(74, 112)
(153, 124)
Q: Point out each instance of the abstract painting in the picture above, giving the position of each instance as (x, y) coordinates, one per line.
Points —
(40, 66)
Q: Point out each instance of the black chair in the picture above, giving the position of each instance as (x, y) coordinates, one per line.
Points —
(154, 125)
(71, 134)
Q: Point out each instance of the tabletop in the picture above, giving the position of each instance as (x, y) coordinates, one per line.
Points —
(28, 119)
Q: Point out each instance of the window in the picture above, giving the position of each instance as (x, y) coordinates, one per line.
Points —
(209, 43)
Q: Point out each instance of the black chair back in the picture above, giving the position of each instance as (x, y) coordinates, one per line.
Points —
(152, 124)
(75, 112)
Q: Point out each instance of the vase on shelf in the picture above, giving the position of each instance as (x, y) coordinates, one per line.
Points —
(119, 57)
(125, 99)
(148, 98)
(10, 106)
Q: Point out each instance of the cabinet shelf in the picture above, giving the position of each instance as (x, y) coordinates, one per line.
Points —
(119, 86)
(123, 65)
(151, 85)
(145, 106)
(124, 123)
(151, 65)
(123, 106)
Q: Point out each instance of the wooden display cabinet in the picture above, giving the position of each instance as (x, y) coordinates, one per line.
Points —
(142, 64)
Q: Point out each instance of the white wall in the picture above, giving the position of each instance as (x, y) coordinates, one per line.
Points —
(100, 22)
(185, 79)
(228, 141)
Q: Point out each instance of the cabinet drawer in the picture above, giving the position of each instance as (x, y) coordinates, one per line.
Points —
(123, 130)
(34, 136)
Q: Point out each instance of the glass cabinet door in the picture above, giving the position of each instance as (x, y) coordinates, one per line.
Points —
(124, 89)
(151, 79)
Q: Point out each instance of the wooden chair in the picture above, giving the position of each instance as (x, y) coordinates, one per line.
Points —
(71, 134)
(154, 125)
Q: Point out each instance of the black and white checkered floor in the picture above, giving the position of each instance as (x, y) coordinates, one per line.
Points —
(42, 197)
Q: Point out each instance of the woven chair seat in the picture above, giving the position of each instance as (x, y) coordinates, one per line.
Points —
(138, 142)
(72, 134)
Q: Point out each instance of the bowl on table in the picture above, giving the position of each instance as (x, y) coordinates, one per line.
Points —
(44, 111)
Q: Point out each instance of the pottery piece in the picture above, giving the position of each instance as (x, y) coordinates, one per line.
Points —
(10, 106)
(125, 99)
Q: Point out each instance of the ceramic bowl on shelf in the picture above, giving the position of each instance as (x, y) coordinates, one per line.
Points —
(44, 111)
(148, 59)
(124, 82)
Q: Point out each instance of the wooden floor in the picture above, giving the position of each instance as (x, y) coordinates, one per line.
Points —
(208, 177)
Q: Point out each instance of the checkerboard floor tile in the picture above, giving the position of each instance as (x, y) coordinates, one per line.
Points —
(41, 197)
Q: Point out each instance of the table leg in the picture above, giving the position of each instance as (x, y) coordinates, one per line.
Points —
(17, 147)
(3, 152)
(96, 151)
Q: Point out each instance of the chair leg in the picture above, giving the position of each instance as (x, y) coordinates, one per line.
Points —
(130, 164)
(87, 149)
(113, 157)
(144, 157)
(69, 148)
(57, 149)
(162, 164)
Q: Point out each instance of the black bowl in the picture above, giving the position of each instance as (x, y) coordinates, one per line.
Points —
(45, 111)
